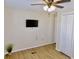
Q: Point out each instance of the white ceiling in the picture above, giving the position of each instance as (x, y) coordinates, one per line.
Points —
(26, 4)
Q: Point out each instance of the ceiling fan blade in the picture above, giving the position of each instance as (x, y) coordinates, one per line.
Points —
(45, 1)
(62, 1)
(38, 4)
(58, 6)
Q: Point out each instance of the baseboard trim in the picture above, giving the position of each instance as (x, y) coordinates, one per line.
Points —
(57, 49)
(30, 47)
(64, 53)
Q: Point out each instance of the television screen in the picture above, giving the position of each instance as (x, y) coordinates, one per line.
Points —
(31, 23)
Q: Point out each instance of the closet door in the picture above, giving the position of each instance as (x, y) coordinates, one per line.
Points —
(66, 34)
(70, 27)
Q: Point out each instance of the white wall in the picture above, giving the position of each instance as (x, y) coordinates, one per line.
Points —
(24, 38)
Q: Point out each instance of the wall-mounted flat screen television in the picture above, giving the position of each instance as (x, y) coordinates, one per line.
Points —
(31, 23)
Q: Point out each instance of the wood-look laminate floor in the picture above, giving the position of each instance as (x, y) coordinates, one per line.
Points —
(44, 52)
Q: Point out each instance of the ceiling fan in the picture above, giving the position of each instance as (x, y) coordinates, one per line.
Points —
(52, 4)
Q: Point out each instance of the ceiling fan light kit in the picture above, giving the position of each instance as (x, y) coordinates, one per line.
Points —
(51, 9)
(45, 8)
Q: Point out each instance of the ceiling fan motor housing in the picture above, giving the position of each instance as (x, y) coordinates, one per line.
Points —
(49, 2)
(49, 5)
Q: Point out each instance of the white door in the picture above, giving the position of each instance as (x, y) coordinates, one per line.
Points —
(66, 34)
